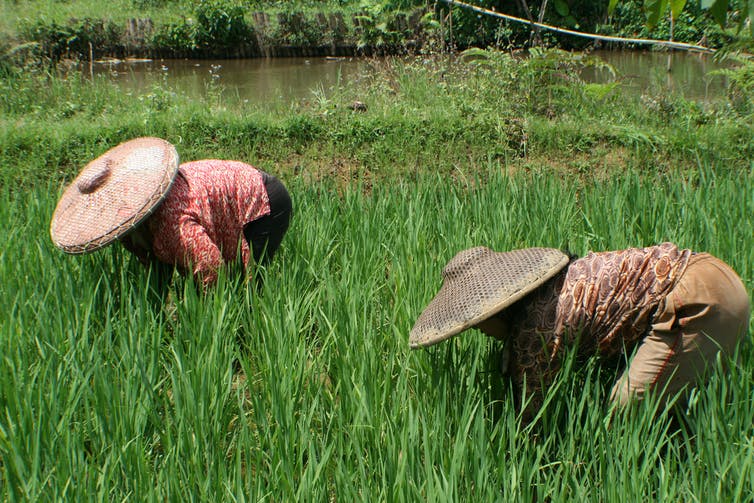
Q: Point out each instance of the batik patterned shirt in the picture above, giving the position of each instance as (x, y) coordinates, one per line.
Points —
(602, 304)
(199, 225)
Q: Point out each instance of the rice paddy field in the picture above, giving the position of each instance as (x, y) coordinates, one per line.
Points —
(119, 382)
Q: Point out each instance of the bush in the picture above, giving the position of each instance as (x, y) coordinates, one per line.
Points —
(294, 28)
(692, 26)
(219, 25)
(7, 68)
(380, 27)
(740, 84)
(74, 39)
(176, 37)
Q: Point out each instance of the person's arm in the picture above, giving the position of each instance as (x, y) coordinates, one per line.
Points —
(138, 242)
(531, 383)
(129, 245)
(198, 253)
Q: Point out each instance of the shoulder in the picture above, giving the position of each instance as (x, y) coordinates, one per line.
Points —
(214, 165)
(211, 171)
(663, 256)
(663, 249)
(174, 204)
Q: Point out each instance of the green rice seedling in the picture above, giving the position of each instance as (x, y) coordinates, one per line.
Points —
(332, 402)
(298, 383)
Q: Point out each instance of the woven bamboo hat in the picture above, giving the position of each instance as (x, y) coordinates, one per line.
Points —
(479, 282)
(113, 194)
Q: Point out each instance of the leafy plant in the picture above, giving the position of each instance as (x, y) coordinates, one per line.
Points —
(221, 24)
(75, 39)
(296, 28)
(718, 9)
(740, 83)
(548, 78)
(377, 26)
(176, 36)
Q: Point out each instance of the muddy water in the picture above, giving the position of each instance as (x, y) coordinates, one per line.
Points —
(279, 81)
(687, 74)
(275, 81)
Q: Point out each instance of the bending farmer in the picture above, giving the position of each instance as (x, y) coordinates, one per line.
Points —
(673, 309)
(196, 216)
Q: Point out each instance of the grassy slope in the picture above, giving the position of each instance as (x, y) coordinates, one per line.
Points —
(121, 10)
(423, 116)
(628, 17)
(20, 12)
(307, 389)
(15, 14)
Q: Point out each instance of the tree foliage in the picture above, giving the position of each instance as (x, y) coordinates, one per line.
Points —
(740, 10)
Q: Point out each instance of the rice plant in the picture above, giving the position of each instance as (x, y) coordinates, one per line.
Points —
(117, 383)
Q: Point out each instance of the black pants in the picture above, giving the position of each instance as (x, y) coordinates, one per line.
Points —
(265, 233)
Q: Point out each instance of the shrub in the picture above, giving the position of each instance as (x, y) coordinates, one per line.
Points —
(176, 36)
(218, 25)
(6, 63)
(221, 24)
(295, 28)
(74, 39)
(740, 84)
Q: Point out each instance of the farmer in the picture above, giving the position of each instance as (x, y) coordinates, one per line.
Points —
(673, 309)
(197, 216)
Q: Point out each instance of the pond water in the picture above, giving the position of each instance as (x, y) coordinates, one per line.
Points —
(279, 81)
(683, 73)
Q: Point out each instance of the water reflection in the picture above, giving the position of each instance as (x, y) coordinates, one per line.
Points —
(279, 81)
(271, 81)
(683, 73)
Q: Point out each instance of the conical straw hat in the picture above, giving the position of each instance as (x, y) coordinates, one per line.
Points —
(113, 194)
(478, 283)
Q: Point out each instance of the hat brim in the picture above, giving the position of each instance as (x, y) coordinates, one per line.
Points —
(113, 194)
(427, 333)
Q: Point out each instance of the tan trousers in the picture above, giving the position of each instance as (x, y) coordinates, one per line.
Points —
(706, 313)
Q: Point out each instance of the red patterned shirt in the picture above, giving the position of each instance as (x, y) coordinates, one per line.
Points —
(199, 225)
(602, 303)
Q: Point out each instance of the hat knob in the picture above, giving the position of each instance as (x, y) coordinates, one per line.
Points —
(91, 182)
(464, 261)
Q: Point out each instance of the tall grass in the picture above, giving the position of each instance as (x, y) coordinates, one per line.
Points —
(441, 116)
(303, 388)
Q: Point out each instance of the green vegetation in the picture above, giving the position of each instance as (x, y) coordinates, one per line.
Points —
(83, 29)
(742, 11)
(423, 115)
(210, 28)
(116, 385)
